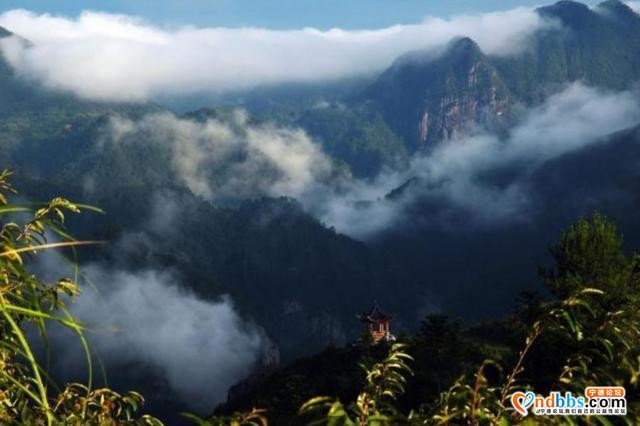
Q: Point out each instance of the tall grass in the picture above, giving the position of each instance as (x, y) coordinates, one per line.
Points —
(27, 393)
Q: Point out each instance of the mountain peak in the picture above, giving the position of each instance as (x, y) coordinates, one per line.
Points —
(570, 5)
(612, 4)
(466, 42)
(458, 48)
(570, 13)
(5, 32)
(615, 5)
(617, 9)
(429, 97)
(465, 46)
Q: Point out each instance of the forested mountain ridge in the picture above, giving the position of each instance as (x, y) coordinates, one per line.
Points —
(427, 100)
(599, 46)
(32, 117)
(59, 134)
(423, 98)
(449, 364)
(252, 250)
(59, 139)
(286, 270)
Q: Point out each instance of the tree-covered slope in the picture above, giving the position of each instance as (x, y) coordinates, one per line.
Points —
(583, 331)
(462, 264)
(298, 280)
(308, 276)
(31, 114)
(357, 136)
(284, 269)
(599, 46)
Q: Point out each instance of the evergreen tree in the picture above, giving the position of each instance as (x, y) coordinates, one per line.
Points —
(589, 255)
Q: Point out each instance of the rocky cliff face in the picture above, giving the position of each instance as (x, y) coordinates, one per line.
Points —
(429, 99)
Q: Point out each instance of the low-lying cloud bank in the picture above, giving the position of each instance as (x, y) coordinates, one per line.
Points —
(482, 177)
(456, 177)
(148, 328)
(115, 57)
(146, 319)
(231, 158)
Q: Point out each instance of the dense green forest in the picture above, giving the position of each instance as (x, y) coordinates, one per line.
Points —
(61, 145)
(583, 332)
(460, 164)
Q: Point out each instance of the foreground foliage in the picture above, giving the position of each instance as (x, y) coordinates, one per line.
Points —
(27, 395)
(384, 382)
(588, 334)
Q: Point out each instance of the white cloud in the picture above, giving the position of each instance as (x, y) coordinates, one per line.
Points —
(635, 5)
(451, 176)
(147, 317)
(200, 347)
(233, 159)
(115, 57)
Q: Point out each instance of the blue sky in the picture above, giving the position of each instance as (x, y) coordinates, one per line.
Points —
(274, 13)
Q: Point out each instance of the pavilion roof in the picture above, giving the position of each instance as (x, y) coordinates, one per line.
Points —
(375, 315)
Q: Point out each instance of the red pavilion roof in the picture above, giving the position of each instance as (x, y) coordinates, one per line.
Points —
(375, 315)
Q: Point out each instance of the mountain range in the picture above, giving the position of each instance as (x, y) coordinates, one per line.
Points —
(298, 278)
(421, 101)
(426, 98)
